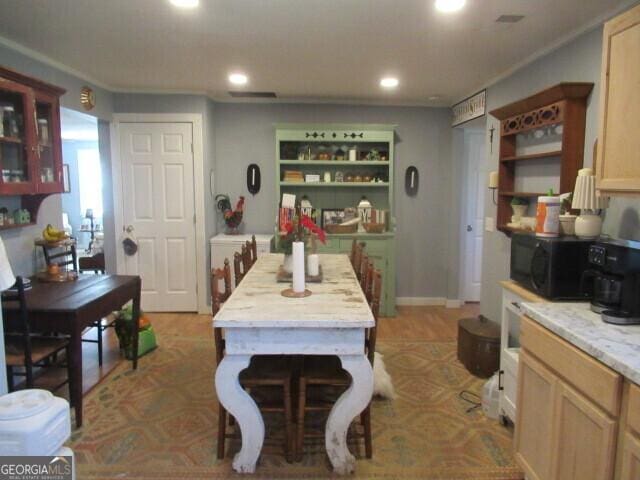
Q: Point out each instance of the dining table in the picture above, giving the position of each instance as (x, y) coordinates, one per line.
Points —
(257, 319)
(69, 308)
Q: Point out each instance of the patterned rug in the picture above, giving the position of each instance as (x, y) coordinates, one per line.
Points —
(159, 422)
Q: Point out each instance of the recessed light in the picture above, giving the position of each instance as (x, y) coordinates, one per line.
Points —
(449, 6)
(389, 82)
(434, 97)
(185, 3)
(238, 79)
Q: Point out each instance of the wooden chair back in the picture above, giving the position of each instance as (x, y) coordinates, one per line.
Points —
(352, 255)
(246, 257)
(24, 329)
(217, 299)
(364, 267)
(63, 256)
(375, 309)
(238, 270)
(367, 283)
(254, 250)
(357, 259)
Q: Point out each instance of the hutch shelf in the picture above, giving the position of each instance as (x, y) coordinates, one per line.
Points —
(324, 151)
(30, 144)
(562, 107)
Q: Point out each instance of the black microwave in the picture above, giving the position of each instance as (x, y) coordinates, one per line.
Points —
(550, 267)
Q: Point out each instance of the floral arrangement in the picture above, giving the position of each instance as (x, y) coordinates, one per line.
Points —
(300, 229)
(232, 218)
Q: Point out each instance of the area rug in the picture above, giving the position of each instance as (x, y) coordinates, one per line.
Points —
(159, 422)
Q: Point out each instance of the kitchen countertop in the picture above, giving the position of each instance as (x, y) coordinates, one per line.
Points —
(617, 347)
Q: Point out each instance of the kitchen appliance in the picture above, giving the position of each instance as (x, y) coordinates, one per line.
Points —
(613, 281)
(550, 267)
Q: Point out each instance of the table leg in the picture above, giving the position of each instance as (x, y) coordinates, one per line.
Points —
(75, 384)
(348, 406)
(135, 324)
(240, 404)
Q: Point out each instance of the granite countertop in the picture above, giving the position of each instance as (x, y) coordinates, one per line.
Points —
(618, 347)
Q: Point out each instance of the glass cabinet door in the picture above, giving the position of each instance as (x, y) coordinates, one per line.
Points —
(48, 167)
(16, 138)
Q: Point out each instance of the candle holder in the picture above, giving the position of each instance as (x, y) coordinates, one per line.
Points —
(289, 293)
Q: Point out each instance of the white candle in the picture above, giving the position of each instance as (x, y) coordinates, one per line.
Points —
(313, 265)
(493, 179)
(298, 267)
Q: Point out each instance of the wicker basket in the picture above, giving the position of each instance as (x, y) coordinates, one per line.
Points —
(374, 227)
(341, 228)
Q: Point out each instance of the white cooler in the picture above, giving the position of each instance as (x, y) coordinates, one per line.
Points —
(33, 422)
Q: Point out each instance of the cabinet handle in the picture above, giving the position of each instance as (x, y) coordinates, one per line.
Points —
(500, 386)
(516, 304)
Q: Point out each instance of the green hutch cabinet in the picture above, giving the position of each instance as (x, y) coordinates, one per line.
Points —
(351, 161)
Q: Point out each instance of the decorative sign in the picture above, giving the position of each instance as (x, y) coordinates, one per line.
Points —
(472, 107)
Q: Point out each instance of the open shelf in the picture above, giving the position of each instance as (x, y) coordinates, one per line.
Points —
(10, 140)
(522, 194)
(341, 163)
(335, 184)
(16, 225)
(533, 156)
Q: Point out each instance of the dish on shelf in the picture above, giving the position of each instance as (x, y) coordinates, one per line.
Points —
(338, 228)
(374, 227)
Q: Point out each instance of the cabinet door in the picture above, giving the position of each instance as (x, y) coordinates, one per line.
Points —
(630, 458)
(584, 440)
(48, 171)
(17, 138)
(618, 161)
(534, 416)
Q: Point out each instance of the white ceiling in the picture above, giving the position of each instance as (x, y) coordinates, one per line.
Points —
(304, 50)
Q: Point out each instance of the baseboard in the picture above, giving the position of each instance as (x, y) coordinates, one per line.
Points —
(421, 301)
(429, 301)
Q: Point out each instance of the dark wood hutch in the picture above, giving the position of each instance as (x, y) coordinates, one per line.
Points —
(30, 143)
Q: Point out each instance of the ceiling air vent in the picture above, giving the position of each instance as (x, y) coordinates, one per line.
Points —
(243, 94)
(509, 18)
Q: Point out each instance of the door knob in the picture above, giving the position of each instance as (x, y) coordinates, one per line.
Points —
(469, 228)
(129, 229)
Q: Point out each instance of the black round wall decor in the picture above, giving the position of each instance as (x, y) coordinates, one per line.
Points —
(411, 181)
(253, 178)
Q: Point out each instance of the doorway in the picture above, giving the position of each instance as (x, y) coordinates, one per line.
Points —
(474, 188)
(82, 210)
(159, 208)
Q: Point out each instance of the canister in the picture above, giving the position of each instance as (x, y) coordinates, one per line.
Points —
(547, 217)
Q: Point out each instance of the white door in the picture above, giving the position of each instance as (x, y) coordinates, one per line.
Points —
(159, 212)
(474, 146)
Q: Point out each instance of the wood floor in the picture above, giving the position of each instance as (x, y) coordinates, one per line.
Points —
(411, 323)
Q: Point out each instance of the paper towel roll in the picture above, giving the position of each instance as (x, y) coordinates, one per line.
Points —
(298, 267)
(313, 265)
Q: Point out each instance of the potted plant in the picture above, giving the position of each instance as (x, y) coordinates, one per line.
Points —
(301, 229)
(567, 219)
(519, 206)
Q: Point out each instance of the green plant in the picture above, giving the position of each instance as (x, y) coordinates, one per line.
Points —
(519, 201)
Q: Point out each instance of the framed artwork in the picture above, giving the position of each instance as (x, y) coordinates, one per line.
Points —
(332, 216)
(66, 181)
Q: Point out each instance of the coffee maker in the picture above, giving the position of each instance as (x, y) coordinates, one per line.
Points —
(613, 281)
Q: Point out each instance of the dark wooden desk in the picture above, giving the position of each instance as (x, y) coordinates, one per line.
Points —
(69, 308)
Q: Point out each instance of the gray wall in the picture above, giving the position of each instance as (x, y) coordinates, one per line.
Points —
(244, 134)
(577, 61)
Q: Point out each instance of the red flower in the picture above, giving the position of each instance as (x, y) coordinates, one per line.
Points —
(313, 228)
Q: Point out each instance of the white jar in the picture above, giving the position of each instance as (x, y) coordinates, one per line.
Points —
(548, 217)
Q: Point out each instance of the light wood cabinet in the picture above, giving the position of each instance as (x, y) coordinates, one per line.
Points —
(536, 394)
(584, 440)
(629, 448)
(566, 421)
(618, 157)
(630, 457)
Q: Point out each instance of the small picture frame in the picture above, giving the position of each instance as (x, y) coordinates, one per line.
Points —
(339, 177)
(66, 179)
(332, 216)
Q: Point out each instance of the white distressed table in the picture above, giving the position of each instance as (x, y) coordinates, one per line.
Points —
(258, 320)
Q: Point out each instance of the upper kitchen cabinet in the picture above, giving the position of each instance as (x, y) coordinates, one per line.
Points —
(30, 144)
(618, 157)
